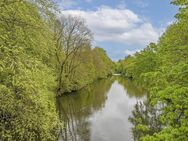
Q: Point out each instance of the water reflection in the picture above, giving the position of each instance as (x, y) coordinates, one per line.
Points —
(133, 90)
(99, 112)
(145, 120)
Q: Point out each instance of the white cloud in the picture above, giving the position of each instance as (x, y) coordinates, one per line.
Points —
(117, 25)
(130, 52)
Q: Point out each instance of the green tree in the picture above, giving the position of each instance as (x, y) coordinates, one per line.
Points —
(27, 110)
(162, 69)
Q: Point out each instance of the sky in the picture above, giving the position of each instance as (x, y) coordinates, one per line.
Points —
(122, 27)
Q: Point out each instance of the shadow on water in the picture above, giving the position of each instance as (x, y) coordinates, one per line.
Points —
(92, 108)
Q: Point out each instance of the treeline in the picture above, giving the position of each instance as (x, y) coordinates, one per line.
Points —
(42, 55)
(162, 69)
(77, 63)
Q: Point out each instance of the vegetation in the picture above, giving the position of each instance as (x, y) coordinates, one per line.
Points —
(163, 69)
(41, 56)
(27, 110)
(44, 55)
(77, 63)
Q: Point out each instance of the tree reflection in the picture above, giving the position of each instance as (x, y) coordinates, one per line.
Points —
(75, 109)
(145, 120)
(133, 90)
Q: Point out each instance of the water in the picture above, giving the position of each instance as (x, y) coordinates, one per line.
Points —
(99, 112)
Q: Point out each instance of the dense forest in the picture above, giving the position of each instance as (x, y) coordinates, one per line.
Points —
(162, 69)
(42, 55)
(45, 54)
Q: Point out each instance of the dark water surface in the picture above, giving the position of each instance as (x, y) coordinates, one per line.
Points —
(100, 111)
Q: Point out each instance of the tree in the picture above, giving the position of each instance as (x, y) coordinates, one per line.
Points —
(27, 110)
(72, 36)
(162, 69)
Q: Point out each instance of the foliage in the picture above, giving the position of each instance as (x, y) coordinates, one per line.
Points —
(142, 62)
(35, 54)
(27, 110)
(77, 63)
(162, 69)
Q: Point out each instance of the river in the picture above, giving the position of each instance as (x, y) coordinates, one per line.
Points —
(100, 112)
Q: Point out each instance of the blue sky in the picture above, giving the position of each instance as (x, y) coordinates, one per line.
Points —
(123, 27)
